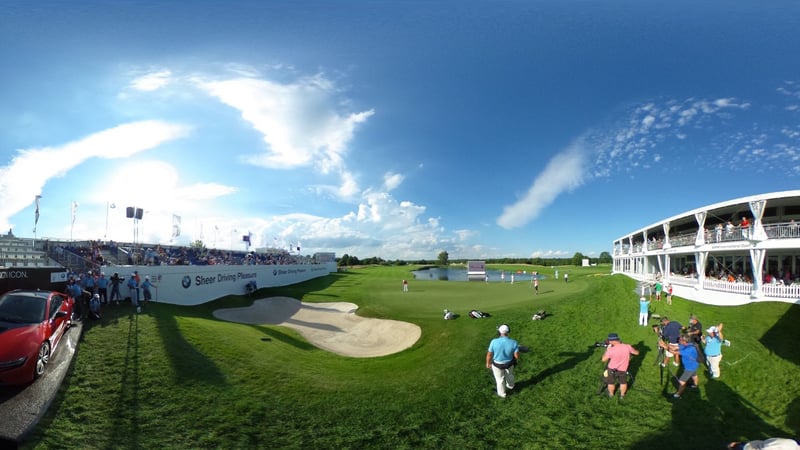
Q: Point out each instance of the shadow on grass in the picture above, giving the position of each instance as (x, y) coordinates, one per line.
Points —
(573, 359)
(188, 364)
(781, 338)
(277, 335)
(726, 417)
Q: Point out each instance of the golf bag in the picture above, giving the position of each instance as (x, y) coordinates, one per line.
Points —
(540, 315)
(475, 314)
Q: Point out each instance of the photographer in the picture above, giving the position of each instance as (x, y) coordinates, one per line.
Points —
(695, 329)
(618, 356)
(669, 331)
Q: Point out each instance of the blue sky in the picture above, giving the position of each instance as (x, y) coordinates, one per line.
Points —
(397, 129)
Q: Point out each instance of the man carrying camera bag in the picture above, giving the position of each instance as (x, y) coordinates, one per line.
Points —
(618, 356)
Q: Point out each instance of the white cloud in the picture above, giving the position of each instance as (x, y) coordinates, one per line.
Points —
(619, 148)
(298, 121)
(152, 81)
(28, 172)
(550, 254)
(392, 180)
(647, 122)
(564, 172)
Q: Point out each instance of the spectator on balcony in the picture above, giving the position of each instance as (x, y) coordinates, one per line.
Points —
(718, 232)
(729, 230)
(745, 226)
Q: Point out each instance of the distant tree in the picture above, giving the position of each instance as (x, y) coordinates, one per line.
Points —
(444, 259)
(605, 258)
(344, 260)
(577, 259)
(373, 261)
(197, 244)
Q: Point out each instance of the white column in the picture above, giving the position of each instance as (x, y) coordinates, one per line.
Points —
(757, 208)
(700, 259)
(757, 256)
(666, 236)
(700, 217)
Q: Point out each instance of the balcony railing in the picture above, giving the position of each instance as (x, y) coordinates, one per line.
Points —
(786, 230)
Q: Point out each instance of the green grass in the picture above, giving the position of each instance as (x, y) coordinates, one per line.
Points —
(175, 377)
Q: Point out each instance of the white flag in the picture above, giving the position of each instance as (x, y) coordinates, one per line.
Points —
(176, 225)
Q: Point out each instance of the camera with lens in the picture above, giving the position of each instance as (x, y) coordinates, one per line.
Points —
(603, 343)
(659, 330)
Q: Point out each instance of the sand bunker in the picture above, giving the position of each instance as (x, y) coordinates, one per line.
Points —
(330, 326)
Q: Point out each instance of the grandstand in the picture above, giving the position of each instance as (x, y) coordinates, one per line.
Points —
(182, 275)
(733, 252)
(16, 252)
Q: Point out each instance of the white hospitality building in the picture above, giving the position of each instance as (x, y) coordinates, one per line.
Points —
(729, 253)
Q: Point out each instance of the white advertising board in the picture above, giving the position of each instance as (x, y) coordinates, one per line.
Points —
(193, 285)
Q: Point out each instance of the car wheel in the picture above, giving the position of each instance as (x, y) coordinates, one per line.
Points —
(41, 360)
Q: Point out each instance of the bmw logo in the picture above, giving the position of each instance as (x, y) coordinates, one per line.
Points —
(186, 282)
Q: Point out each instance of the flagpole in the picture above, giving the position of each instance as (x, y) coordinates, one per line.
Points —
(36, 219)
(105, 235)
(108, 206)
(72, 226)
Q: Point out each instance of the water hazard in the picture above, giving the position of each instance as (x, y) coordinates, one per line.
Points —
(455, 274)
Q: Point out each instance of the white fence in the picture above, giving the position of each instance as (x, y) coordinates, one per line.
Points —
(727, 286)
(781, 291)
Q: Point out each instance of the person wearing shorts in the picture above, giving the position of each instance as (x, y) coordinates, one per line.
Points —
(618, 356)
(688, 352)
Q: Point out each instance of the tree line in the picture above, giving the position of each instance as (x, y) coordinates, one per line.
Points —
(443, 259)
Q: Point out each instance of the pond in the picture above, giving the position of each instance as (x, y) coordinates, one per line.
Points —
(456, 274)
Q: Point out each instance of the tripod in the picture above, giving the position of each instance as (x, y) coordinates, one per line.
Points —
(660, 358)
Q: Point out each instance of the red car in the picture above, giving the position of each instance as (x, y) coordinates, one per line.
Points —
(32, 323)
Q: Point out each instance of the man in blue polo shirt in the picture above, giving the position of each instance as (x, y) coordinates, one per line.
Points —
(689, 356)
(501, 357)
(713, 349)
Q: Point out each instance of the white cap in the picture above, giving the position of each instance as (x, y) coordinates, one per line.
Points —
(503, 329)
(711, 330)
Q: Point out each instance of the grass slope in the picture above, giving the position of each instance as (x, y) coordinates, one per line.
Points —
(175, 377)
